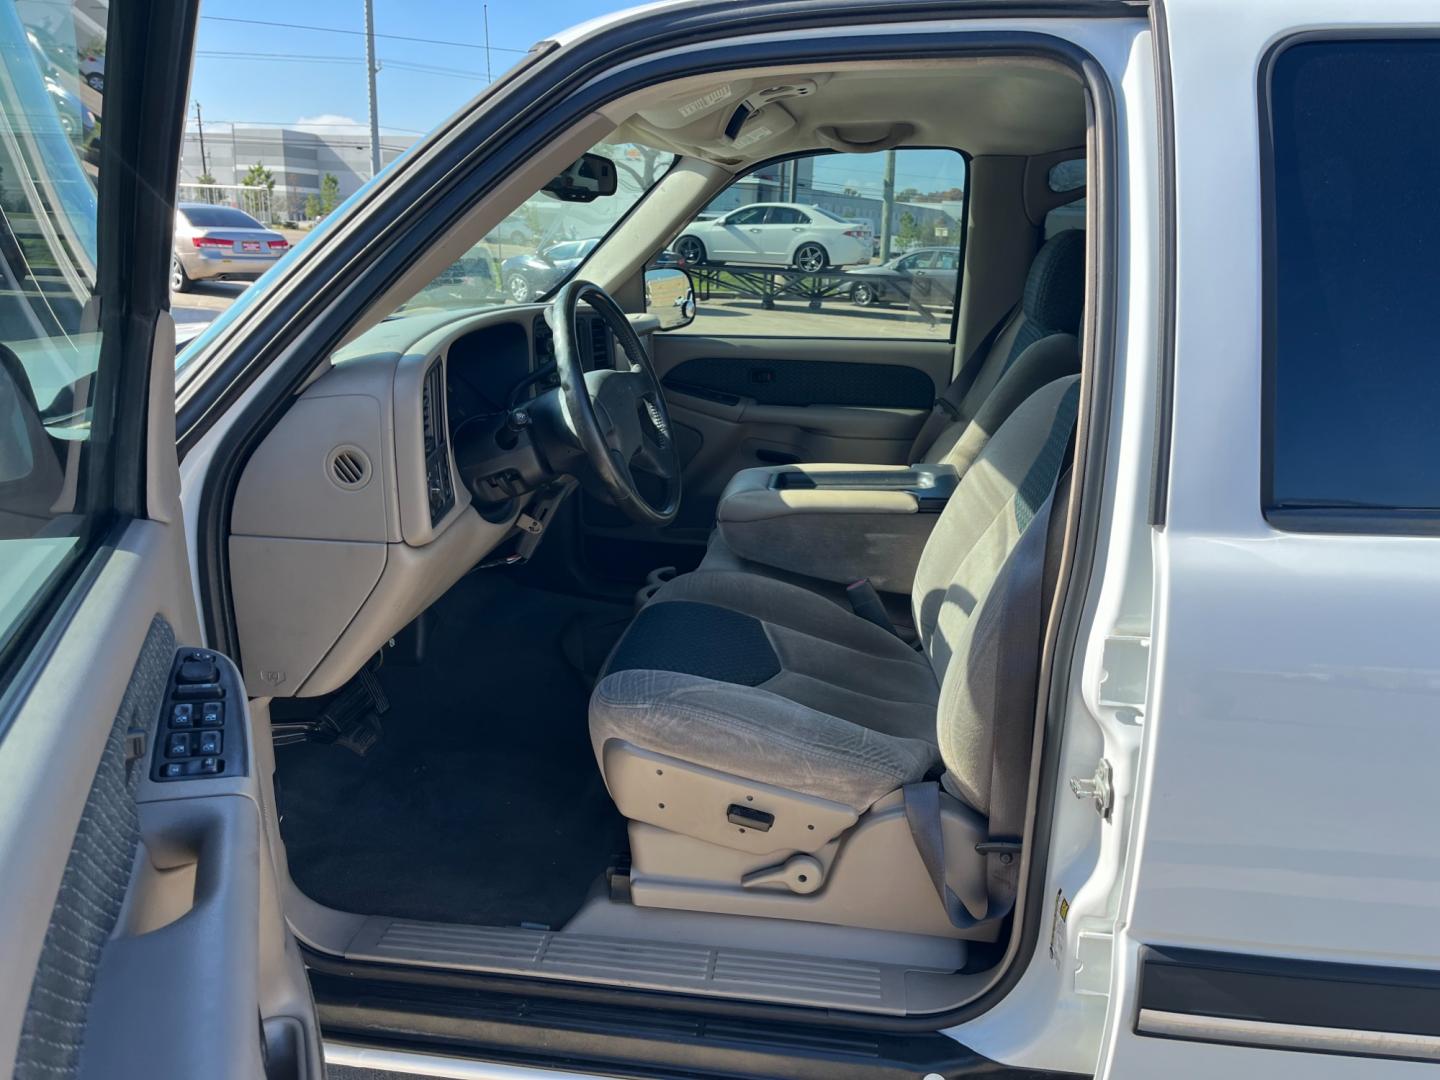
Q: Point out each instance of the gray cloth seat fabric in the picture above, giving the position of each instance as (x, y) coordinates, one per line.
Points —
(760, 679)
(768, 681)
(1038, 345)
(1053, 303)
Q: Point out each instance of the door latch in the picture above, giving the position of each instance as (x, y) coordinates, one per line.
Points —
(1099, 788)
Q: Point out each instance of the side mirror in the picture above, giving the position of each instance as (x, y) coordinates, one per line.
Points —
(587, 180)
(670, 297)
(30, 472)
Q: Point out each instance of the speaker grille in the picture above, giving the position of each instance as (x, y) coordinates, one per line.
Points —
(349, 468)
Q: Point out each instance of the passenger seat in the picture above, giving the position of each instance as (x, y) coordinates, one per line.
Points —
(1037, 345)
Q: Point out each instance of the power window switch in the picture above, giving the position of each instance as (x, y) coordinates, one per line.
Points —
(182, 715)
(206, 691)
(172, 769)
(178, 744)
(211, 766)
(208, 742)
(212, 714)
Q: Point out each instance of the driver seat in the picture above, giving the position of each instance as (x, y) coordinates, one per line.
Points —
(760, 738)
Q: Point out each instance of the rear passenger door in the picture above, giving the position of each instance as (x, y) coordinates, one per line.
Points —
(781, 367)
(1283, 895)
(140, 928)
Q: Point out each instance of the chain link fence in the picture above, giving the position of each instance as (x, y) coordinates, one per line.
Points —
(259, 202)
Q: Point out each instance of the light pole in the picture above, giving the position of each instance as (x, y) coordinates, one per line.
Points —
(370, 68)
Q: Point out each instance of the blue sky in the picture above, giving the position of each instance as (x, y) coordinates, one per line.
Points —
(249, 71)
(255, 65)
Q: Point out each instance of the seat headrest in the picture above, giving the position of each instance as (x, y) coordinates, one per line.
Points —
(1055, 286)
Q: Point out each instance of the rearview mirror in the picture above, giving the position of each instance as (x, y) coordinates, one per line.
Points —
(670, 297)
(587, 180)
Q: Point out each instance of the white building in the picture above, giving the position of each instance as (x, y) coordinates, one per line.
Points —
(298, 158)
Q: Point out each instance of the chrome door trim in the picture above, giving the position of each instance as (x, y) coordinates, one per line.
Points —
(1354, 1041)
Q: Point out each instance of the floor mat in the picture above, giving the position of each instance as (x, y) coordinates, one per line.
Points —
(482, 802)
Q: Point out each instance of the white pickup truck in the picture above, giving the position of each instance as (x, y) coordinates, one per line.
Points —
(658, 678)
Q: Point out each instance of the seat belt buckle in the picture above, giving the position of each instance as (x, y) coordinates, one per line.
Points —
(944, 405)
(866, 603)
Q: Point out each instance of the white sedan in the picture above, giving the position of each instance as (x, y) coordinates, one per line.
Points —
(777, 234)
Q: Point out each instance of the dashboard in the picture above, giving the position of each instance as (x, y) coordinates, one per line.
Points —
(351, 516)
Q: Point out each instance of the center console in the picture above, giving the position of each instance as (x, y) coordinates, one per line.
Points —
(836, 522)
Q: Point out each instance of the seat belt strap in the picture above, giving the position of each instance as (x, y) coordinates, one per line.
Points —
(1032, 566)
(946, 409)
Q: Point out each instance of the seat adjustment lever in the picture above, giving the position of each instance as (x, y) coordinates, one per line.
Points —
(799, 873)
(748, 817)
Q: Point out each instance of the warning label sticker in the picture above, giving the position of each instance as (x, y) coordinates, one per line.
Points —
(1058, 931)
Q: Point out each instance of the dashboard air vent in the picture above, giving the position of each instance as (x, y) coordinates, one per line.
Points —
(440, 491)
(348, 467)
(599, 344)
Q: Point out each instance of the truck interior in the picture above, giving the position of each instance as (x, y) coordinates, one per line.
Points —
(695, 660)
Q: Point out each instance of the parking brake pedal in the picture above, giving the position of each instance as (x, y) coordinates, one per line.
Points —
(351, 719)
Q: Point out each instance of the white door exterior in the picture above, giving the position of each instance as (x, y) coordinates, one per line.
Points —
(1284, 826)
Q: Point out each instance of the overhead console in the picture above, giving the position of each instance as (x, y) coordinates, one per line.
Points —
(836, 522)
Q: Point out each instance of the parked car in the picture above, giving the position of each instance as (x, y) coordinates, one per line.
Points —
(92, 70)
(77, 121)
(927, 275)
(470, 279)
(514, 230)
(220, 243)
(806, 237)
(528, 276)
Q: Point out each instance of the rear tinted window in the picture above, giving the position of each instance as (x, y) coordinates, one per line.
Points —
(1352, 379)
(219, 217)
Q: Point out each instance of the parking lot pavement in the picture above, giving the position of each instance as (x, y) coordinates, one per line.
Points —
(204, 301)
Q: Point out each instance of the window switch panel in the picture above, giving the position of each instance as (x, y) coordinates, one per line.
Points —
(201, 732)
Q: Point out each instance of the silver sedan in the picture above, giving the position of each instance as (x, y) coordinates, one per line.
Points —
(220, 243)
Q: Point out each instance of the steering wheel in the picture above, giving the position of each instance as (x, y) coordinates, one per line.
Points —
(618, 415)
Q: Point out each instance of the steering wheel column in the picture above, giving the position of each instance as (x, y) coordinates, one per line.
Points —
(617, 416)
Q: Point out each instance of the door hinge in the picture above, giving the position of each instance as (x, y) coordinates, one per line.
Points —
(1099, 788)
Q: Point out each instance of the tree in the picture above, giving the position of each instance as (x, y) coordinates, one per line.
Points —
(253, 202)
(312, 206)
(908, 234)
(207, 188)
(648, 158)
(329, 192)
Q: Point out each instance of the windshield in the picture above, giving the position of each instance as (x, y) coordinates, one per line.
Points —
(534, 250)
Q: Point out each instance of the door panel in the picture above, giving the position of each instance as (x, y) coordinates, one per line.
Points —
(1276, 923)
(745, 402)
(139, 931)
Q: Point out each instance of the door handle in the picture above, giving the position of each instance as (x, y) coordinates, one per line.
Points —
(754, 230)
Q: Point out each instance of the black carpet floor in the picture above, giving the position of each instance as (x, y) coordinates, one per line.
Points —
(482, 802)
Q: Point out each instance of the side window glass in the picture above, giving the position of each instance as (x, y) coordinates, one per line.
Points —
(858, 226)
(53, 426)
(747, 217)
(1352, 387)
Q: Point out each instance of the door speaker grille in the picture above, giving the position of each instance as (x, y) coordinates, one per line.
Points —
(348, 468)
